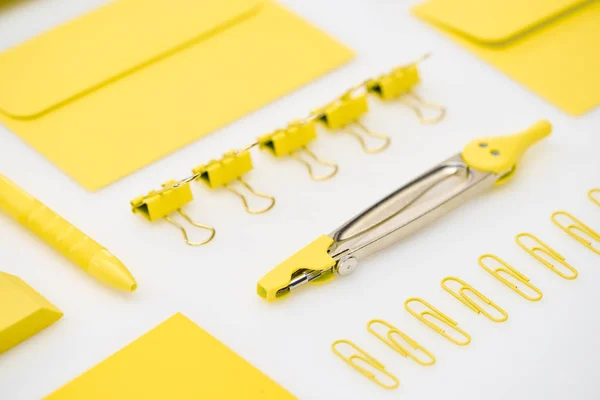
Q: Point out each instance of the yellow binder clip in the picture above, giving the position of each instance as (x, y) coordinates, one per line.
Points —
(221, 173)
(395, 345)
(345, 112)
(572, 228)
(292, 141)
(170, 199)
(508, 270)
(543, 248)
(594, 195)
(461, 295)
(441, 317)
(367, 359)
(399, 84)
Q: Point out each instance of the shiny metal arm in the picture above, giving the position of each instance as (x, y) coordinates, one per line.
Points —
(407, 209)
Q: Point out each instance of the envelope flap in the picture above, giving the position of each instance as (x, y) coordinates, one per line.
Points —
(106, 44)
(494, 21)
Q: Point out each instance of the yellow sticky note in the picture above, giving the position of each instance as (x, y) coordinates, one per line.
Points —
(175, 360)
(549, 46)
(132, 81)
(23, 311)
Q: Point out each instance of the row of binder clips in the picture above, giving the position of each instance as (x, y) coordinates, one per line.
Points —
(441, 323)
(342, 114)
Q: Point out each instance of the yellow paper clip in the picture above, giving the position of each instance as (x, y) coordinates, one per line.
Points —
(508, 270)
(345, 112)
(367, 359)
(541, 247)
(592, 195)
(443, 318)
(292, 141)
(231, 167)
(461, 295)
(393, 343)
(578, 226)
(170, 199)
(399, 84)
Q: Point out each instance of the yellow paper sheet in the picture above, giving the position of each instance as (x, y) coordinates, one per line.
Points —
(175, 360)
(130, 82)
(550, 46)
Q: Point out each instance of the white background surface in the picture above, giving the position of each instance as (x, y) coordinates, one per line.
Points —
(546, 350)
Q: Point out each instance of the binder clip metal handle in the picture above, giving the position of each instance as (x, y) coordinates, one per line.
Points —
(482, 164)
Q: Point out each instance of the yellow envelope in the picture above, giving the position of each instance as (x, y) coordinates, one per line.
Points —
(134, 80)
(550, 46)
(177, 360)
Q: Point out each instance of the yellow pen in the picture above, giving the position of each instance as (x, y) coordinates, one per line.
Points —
(64, 237)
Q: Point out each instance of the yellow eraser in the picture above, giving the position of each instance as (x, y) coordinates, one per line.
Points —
(23, 311)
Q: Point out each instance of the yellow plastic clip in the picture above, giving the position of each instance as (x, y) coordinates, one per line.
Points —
(399, 83)
(438, 315)
(508, 270)
(292, 142)
(461, 295)
(345, 112)
(500, 155)
(232, 167)
(394, 344)
(578, 226)
(541, 247)
(170, 199)
(368, 360)
(592, 193)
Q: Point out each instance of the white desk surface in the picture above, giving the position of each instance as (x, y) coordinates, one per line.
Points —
(546, 350)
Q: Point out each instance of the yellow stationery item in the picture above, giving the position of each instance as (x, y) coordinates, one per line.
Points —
(231, 167)
(436, 314)
(345, 113)
(550, 46)
(175, 360)
(64, 237)
(483, 163)
(399, 84)
(394, 343)
(367, 360)
(586, 234)
(543, 248)
(132, 81)
(510, 271)
(163, 203)
(461, 295)
(292, 141)
(23, 311)
(594, 195)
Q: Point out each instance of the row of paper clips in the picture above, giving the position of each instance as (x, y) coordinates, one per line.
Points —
(344, 113)
(441, 323)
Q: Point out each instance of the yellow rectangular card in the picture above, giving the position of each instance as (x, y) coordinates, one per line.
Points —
(130, 82)
(550, 46)
(175, 360)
